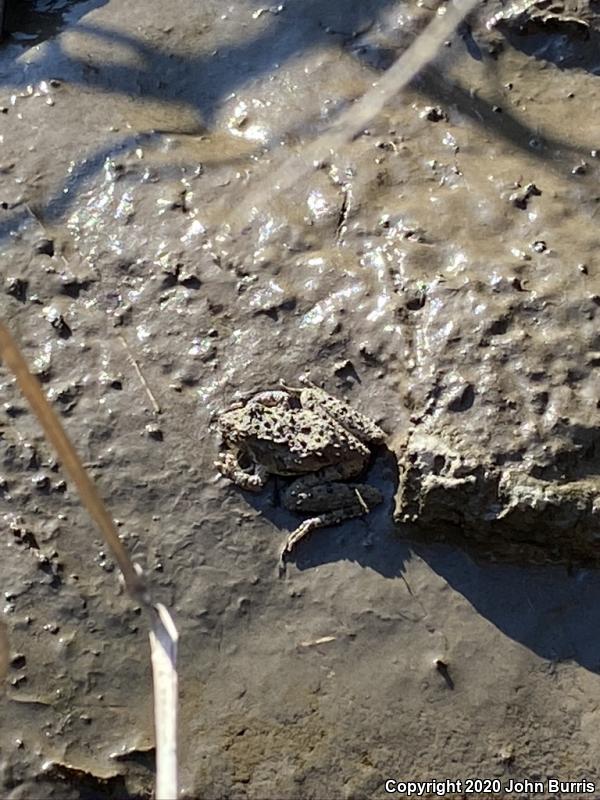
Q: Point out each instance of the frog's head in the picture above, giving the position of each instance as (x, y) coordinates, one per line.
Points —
(230, 425)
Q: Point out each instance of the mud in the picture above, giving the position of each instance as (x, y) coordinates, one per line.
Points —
(438, 274)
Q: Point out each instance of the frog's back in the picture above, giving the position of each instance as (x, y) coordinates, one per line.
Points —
(301, 442)
(349, 418)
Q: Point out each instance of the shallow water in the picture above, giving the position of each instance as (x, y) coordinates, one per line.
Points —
(405, 274)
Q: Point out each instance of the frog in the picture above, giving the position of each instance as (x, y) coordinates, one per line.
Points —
(307, 434)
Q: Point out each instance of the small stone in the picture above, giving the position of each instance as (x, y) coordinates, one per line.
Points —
(17, 288)
(56, 319)
(18, 661)
(435, 114)
(44, 246)
(154, 432)
(520, 198)
(13, 410)
(41, 482)
(51, 627)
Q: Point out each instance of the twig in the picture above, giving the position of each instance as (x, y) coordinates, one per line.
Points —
(143, 381)
(163, 634)
(360, 499)
(55, 433)
(36, 217)
(344, 213)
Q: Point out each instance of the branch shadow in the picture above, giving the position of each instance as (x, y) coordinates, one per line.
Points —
(202, 82)
(559, 155)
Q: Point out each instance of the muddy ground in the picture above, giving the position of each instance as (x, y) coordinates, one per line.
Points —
(440, 273)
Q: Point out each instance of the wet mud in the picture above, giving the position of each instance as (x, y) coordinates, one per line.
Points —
(439, 274)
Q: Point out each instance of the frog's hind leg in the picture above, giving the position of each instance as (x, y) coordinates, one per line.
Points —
(297, 390)
(322, 521)
(229, 467)
(309, 494)
(301, 531)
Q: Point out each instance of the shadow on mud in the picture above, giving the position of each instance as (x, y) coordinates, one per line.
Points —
(199, 81)
(34, 22)
(550, 610)
(501, 123)
(370, 541)
(570, 50)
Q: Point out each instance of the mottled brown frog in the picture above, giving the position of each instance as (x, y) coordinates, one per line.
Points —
(302, 432)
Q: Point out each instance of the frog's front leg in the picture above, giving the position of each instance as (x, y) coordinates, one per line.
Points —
(229, 466)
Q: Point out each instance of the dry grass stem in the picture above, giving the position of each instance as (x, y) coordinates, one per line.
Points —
(55, 433)
(163, 647)
(163, 634)
(140, 374)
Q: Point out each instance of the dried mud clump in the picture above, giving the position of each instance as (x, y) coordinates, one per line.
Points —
(504, 512)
